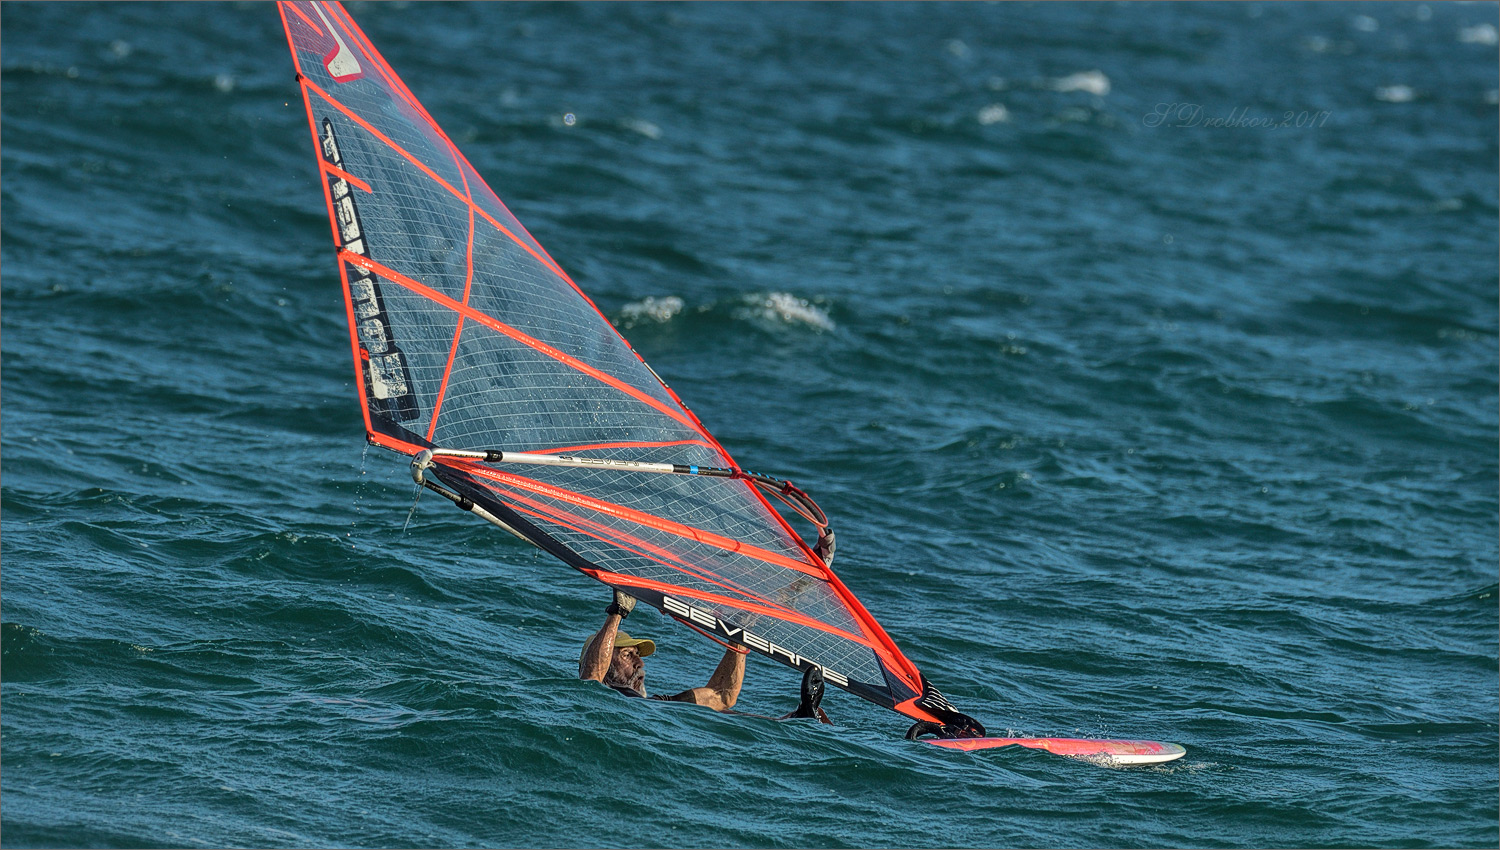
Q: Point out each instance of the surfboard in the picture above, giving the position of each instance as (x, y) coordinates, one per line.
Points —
(1115, 751)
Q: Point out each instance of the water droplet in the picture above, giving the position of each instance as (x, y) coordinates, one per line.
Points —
(413, 512)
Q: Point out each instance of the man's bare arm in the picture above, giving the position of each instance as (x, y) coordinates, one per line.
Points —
(723, 688)
(601, 650)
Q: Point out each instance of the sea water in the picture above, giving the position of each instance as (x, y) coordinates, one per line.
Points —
(1144, 356)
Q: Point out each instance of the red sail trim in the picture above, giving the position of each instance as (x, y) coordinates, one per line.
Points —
(673, 590)
(370, 56)
(625, 445)
(298, 12)
(392, 79)
(703, 429)
(356, 34)
(676, 529)
(375, 56)
(713, 637)
(312, 128)
(386, 140)
(385, 441)
(528, 341)
(366, 47)
(344, 175)
(457, 331)
(772, 609)
(909, 708)
(630, 543)
(896, 660)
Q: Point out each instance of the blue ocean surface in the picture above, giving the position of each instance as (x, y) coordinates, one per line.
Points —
(1145, 357)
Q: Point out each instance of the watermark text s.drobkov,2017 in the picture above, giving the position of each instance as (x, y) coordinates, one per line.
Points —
(1193, 115)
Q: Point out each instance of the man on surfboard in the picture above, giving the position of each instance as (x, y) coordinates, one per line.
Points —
(618, 660)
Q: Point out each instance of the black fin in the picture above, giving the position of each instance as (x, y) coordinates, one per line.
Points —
(812, 693)
(924, 727)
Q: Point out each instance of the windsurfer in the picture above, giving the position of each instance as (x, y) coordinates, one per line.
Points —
(618, 660)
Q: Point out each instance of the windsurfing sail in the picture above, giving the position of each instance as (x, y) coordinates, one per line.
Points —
(478, 356)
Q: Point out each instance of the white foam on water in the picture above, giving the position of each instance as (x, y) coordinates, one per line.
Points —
(1480, 34)
(1395, 94)
(1093, 82)
(995, 113)
(649, 309)
(786, 309)
(642, 126)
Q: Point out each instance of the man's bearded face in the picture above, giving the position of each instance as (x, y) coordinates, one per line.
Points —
(627, 669)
